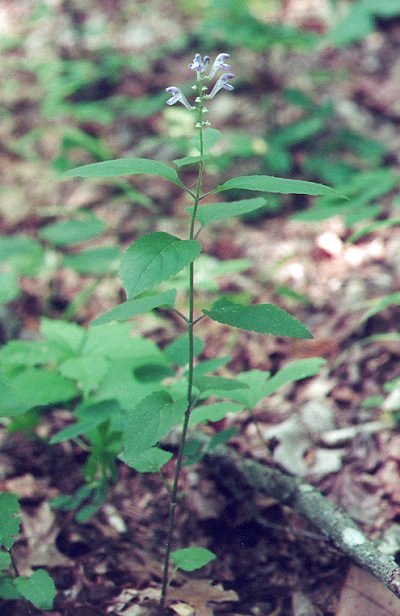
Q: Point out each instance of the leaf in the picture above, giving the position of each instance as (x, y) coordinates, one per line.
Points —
(211, 136)
(154, 258)
(255, 380)
(381, 304)
(9, 522)
(87, 370)
(136, 306)
(294, 371)
(190, 559)
(39, 589)
(5, 561)
(149, 461)
(125, 166)
(268, 183)
(219, 211)
(217, 384)
(213, 412)
(262, 318)
(94, 261)
(178, 351)
(9, 287)
(149, 421)
(25, 254)
(89, 417)
(66, 337)
(34, 387)
(71, 232)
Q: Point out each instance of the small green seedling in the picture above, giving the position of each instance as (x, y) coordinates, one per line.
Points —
(38, 588)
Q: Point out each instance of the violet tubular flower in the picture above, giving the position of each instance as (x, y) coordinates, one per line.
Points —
(199, 64)
(218, 64)
(178, 97)
(222, 84)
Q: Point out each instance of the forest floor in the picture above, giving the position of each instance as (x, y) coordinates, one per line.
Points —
(270, 562)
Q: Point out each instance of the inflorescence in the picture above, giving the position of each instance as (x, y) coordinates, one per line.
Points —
(200, 65)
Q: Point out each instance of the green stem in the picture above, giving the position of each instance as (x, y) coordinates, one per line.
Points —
(190, 325)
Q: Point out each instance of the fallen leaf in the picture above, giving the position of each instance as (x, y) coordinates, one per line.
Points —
(363, 594)
(198, 593)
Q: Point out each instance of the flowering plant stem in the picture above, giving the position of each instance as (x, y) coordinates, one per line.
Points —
(191, 321)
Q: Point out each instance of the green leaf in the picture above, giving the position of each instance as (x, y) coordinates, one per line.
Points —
(219, 211)
(95, 261)
(211, 136)
(255, 379)
(178, 351)
(294, 371)
(125, 166)
(149, 421)
(262, 318)
(190, 559)
(381, 304)
(24, 254)
(136, 306)
(67, 338)
(268, 183)
(71, 232)
(214, 385)
(39, 589)
(34, 387)
(8, 590)
(149, 461)
(87, 371)
(5, 561)
(89, 416)
(154, 258)
(9, 287)
(372, 228)
(213, 412)
(9, 522)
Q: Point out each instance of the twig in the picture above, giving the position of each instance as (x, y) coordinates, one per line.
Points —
(238, 474)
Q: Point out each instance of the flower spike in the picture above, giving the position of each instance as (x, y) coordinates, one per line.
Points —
(178, 97)
(218, 64)
(222, 83)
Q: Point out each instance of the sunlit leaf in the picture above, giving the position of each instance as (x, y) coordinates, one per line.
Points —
(150, 461)
(125, 166)
(149, 421)
(294, 371)
(94, 261)
(39, 589)
(154, 258)
(136, 306)
(71, 232)
(262, 318)
(207, 214)
(9, 522)
(268, 183)
(190, 559)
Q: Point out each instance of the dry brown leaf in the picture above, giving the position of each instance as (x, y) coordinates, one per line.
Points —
(363, 595)
(198, 593)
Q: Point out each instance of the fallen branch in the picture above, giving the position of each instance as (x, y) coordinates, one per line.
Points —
(238, 475)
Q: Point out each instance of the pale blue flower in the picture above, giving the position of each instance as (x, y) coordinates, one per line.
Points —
(199, 64)
(222, 83)
(178, 97)
(218, 64)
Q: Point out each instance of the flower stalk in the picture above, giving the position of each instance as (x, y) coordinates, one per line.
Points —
(199, 65)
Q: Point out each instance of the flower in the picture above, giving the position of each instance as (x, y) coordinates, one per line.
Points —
(219, 63)
(199, 64)
(222, 83)
(178, 97)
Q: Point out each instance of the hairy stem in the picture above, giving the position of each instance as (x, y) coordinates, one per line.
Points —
(190, 326)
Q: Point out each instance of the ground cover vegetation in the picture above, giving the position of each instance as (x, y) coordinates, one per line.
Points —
(202, 332)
